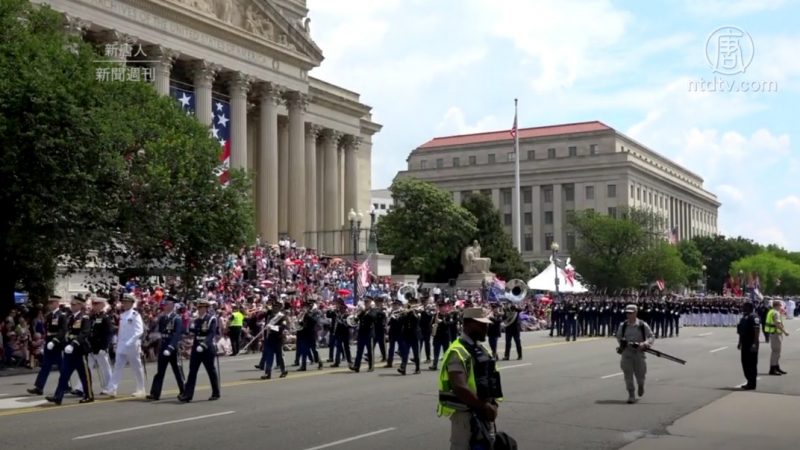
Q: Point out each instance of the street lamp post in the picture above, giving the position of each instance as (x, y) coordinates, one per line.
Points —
(741, 282)
(554, 248)
(355, 231)
(705, 280)
(372, 242)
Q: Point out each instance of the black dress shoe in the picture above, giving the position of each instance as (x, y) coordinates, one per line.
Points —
(283, 374)
(35, 391)
(86, 400)
(52, 399)
(417, 372)
(401, 370)
(266, 377)
(213, 397)
(354, 369)
(184, 399)
(747, 388)
(151, 397)
(781, 371)
(320, 365)
(259, 367)
(302, 369)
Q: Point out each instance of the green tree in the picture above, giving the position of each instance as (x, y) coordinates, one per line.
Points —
(662, 261)
(770, 268)
(692, 259)
(720, 252)
(425, 230)
(607, 249)
(495, 242)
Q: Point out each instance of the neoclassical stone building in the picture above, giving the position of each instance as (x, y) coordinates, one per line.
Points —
(308, 142)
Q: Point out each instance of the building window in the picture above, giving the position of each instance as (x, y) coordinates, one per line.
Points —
(639, 194)
(573, 151)
(465, 195)
(439, 163)
(487, 193)
(510, 156)
(531, 155)
(548, 217)
(548, 240)
(551, 153)
(456, 161)
(570, 242)
(506, 196)
(631, 191)
(569, 214)
(569, 192)
(593, 149)
(548, 194)
(423, 164)
(612, 211)
(528, 217)
(507, 219)
(527, 195)
(491, 158)
(612, 191)
(589, 192)
(383, 205)
(473, 160)
(650, 198)
(375, 205)
(528, 242)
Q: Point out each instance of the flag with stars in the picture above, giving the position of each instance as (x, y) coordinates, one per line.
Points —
(221, 131)
(184, 97)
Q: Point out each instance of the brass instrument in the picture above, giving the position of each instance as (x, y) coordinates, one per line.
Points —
(507, 322)
(352, 320)
(436, 321)
(300, 319)
(405, 291)
(516, 290)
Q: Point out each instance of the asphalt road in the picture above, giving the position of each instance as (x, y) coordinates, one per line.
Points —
(562, 395)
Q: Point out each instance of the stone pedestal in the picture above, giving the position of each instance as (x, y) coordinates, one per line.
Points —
(381, 265)
(406, 279)
(472, 281)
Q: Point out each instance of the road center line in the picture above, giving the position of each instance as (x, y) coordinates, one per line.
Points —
(514, 366)
(170, 422)
(611, 376)
(351, 439)
(718, 349)
(705, 334)
(797, 330)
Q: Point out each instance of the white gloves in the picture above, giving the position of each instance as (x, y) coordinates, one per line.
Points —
(199, 349)
(273, 327)
(68, 349)
(166, 353)
(51, 345)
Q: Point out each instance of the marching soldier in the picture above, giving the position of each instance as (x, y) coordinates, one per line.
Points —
(56, 331)
(75, 349)
(395, 332)
(634, 336)
(380, 327)
(204, 328)
(170, 325)
(426, 330)
(513, 329)
(100, 339)
(342, 332)
(441, 336)
(571, 321)
(129, 348)
(365, 337)
(274, 328)
(410, 333)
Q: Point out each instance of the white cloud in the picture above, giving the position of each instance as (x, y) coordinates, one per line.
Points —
(791, 202)
(730, 192)
(455, 122)
(731, 8)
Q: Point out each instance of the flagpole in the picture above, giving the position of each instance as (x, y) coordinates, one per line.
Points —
(517, 211)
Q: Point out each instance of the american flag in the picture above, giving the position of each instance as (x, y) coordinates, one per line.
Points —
(660, 284)
(514, 127)
(362, 277)
(672, 235)
(220, 126)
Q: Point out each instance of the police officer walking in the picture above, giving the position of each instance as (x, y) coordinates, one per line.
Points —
(634, 336)
(56, 331)
(204, 329)
(75, 349)
(469, 384)
(170, 326)
(749, 331)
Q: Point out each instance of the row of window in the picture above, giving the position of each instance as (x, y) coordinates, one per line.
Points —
(527, 241)
(472, 160)
(527, 218)
(547, 193)
(661, 201)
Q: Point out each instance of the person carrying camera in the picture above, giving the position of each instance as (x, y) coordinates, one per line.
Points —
(634, 337)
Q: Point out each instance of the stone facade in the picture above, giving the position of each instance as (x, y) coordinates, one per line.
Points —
(308, 142)
(566, 168)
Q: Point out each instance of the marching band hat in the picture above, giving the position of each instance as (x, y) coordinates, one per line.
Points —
(476, 314)
(78, 298)
(129, 298)
(203, 302)
(99, 300)
(631, 308)
(54, 298)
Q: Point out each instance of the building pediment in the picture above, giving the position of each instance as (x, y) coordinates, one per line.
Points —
(262, 20)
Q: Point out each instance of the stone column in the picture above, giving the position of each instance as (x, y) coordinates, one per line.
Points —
(283, 176)
(204, 73)
(269, 99)
(162, 67)
(238, 84)
(297, 104)
(321, 199)
(340, 213)
(312, 131)
(558, 208)
(330, 142)
(536, 212)
(350, 150)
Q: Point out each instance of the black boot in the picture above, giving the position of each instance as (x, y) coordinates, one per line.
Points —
(781, 371)
(774, 371)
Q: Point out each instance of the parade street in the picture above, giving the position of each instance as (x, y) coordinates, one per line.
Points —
(562, 395)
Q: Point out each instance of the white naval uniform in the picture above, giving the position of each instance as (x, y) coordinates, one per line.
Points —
(129, 349)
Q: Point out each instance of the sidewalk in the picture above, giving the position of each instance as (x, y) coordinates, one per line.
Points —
(741, 420)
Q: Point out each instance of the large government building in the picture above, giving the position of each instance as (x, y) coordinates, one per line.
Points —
(308, 142)
(566, 168)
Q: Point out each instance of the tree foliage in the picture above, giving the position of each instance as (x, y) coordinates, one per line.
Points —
(98, 167)
(692, 259)
(770, 268)
(425, 230)
(662, 261)
(719, 252)
(495, 242)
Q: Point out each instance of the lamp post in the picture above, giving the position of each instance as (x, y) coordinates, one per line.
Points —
(355, 230)
(554, 248)
(741, 282)
(705, 285)
(372, 242)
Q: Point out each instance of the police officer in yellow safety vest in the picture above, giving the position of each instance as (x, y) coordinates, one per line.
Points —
(469, 385)
(773, 327)
(235, 329)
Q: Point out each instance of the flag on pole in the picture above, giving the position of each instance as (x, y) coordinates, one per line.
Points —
(221, 131)
(516, 210)
(514, 127)
(660, 284)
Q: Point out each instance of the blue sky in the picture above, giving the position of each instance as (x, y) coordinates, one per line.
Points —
(438, 67)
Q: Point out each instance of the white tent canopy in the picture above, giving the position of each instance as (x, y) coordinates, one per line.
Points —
(545, 281)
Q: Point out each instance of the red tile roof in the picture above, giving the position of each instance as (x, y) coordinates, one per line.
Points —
(524, 133)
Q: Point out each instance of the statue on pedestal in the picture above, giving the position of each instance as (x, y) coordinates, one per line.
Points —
(471, 260)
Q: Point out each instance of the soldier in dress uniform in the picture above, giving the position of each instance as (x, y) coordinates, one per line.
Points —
(410, 333)
(204, 329)
(56, 331)
(306, 337)
(571, 320)
(441, 335)
(342, 332)
(100, 339)
(513, 329)
(380, 327)
(555, 319)
(365, 340)
(274, 329)
(395, 331)
(426, 328)
(76, 348)
(170, 326)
